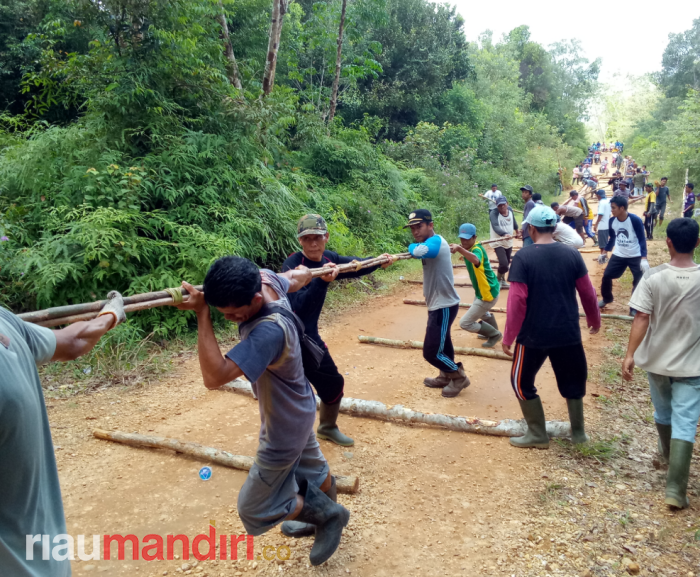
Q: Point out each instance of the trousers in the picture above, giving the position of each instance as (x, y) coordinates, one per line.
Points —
(503, 255)
(615, 269)
(677, 403)
(327, 380)
(437, 347)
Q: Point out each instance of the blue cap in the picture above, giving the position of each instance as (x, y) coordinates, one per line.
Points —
(600, 192)
(467, 231)
(542, 216)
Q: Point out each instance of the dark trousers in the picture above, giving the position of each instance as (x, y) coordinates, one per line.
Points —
(689, 213)
(437, 347)
(568, 363)
(327, 381)
(615, 269)
(503, 255)
(649, 220)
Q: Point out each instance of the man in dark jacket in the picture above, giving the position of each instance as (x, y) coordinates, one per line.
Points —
(307, 303)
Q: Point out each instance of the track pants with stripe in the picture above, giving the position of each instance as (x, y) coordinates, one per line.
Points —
(568, 363)
(437, 348)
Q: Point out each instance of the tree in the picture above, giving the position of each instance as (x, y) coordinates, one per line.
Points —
(233, 74)
(338, 60)
(681, 62)
(279, 9)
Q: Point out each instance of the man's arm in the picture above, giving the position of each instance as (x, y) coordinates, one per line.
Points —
(428, 249)
(493, 219)
(590, 303)
(640, 325)
(298, 278)
(470, 256)
(638, 226)
(517, 309)
(80, 338)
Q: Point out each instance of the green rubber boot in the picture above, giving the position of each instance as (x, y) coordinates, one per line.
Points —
(578, 433)
(327, 428)
(489, 320)
(664, 443)
(680, 454)
(492, 335)
(536, 435)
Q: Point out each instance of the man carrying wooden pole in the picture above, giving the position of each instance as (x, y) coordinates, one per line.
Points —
(290, 478)
(313, 236)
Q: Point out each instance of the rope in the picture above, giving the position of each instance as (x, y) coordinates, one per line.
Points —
(175, 293)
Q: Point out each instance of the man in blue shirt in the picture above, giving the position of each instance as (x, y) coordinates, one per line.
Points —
(442, 301)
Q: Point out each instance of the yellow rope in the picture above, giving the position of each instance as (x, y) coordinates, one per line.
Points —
(176, 293)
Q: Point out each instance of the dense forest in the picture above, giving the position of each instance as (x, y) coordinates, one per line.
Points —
(141, 139)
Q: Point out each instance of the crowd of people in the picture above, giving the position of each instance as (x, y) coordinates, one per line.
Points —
(283, 355)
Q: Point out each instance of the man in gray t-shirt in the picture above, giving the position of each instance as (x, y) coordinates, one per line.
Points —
(526, 192)
(290, 479)
(30, 495)
(442, 301)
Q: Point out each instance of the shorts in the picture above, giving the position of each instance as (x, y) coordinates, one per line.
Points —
(576, 223)
(568, 363)
(603, 238)
(269, 495)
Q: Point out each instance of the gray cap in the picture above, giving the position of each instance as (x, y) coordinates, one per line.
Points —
(501, 200)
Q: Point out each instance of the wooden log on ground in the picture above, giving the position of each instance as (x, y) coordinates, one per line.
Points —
(202, 453)
(457, 283)
(501, 310)
(402, 415)
(490, 353)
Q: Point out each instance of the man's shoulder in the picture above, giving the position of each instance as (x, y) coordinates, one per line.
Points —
(292, 261)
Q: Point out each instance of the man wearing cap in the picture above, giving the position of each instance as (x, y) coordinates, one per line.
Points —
(526, 193)
(442, 301)
(486, 287)
(307, 303)
(602, 224)
(502, 225)
(545, 277)
(492, 195)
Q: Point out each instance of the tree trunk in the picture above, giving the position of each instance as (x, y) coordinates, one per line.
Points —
(338, 60)
(233, 76)
(401, 414)
(202, 453)
(279, 9)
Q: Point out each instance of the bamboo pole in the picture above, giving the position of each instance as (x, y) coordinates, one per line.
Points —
(513, 209)
(56, 316)
(458, 284)
(203, 453)
(501, 310)
(491, 354)
(404, 415)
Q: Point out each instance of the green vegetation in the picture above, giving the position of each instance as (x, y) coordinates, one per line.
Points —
(137, 144)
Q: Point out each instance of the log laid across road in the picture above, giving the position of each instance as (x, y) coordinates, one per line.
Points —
(480, 352)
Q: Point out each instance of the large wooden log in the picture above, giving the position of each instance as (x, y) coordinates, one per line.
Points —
(490, 353)
(457, 283)
(202, 453)
(401, 414)
(502, 310)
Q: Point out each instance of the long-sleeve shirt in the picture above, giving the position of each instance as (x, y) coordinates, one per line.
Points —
(628, 237)
(438, 280)
(307, 302)
(529, 205)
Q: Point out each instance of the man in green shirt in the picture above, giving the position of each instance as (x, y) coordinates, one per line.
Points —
(485, 284)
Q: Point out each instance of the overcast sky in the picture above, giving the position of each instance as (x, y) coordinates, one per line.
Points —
(629, 37)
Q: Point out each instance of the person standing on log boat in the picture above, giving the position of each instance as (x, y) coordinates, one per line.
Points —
(290, 478)
(312, 233)
(30, 500)
(665, 342)
(442, 301)
(486, 287)
(543, 320)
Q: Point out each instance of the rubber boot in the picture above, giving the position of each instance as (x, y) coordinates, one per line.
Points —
(458, 381)
(578, 433)
(327, 428)
(298, 529)
(536, 435)
(491, 334)
(680, 454)
(489, 320)
(328, 517)
(664, 444)
(438, 382)
(502, 280)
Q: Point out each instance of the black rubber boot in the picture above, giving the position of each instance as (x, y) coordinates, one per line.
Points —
(578, 432)
(458, 381)
(664, 444)
(438, 382)
(298, 529)
(327, 428)
(492, 335)
(680, 454)
(328, 517)
(536, 435)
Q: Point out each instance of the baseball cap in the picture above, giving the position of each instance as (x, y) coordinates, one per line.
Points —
(526, 187)
(418, 216)
(311, 224)
(622, 183)
(467, 231)
(542, 216)
(600, 192)
(501, 200)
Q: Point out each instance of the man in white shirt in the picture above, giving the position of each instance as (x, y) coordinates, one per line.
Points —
(564, 234)
(627, 236)
(602, 224)
(492, 196)
(665, 341)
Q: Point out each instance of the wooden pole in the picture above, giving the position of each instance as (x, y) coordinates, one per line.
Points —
(501, 310)
(203, 453)
(458, 284)
(491, 354)
(404, 415)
